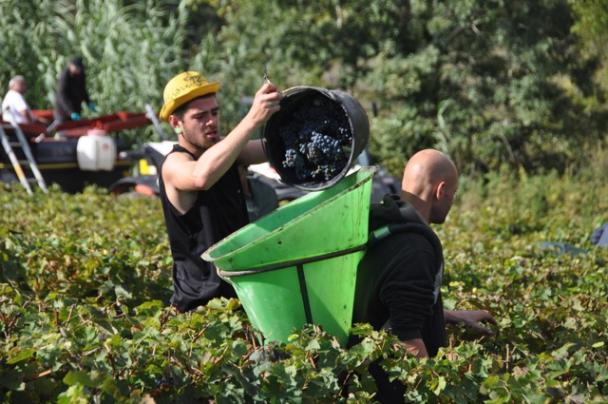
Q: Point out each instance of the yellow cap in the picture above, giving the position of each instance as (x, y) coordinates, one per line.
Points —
(183, 88)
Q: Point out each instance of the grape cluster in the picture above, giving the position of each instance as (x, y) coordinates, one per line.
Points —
(269, 354)
(163, 384)
(315, 136)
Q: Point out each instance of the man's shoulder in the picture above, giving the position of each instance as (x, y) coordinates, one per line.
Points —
(12, 95)
(403, 228)
(14, 100)
(178, 153)
(409, 242)
(173, 163)
(404, 242)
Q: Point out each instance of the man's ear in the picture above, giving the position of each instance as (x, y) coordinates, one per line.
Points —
(174, 122)
(440, 190)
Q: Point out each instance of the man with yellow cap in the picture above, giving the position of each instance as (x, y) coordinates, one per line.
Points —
(200, 187)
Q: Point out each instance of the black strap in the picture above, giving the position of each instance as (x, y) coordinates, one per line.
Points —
(416, 228)
(181, 149)
(304, 293)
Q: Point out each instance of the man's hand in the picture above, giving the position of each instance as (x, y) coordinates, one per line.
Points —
(266, 102)
(416, 347)
(470, 318)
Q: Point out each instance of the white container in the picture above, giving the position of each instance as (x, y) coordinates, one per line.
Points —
(96, 153)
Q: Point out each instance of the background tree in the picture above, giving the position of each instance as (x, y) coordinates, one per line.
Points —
(592, 29)
(130, 51)
(492, 82)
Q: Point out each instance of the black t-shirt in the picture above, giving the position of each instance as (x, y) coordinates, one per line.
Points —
(216, 213)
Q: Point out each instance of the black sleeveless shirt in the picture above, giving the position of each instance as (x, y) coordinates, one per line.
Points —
(216, 213)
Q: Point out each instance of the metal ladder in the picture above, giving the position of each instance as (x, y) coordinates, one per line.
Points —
(17, 164)
(151, 115)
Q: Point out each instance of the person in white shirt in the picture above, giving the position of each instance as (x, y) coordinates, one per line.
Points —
(14, 103)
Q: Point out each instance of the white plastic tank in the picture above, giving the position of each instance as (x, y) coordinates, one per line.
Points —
(96, 153)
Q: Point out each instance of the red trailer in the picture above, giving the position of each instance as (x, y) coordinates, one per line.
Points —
(72, 154)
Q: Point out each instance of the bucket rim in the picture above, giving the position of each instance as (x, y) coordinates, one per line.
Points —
(292, 264)
(368, 171)
(323, 90)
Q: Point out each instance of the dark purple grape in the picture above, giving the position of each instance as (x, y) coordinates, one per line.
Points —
(314, 136)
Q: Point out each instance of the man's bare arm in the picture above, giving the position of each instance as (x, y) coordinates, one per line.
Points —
(25, 114)
(253, 153)
(218, 159)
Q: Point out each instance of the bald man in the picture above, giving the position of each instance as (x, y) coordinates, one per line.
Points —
(399, 278)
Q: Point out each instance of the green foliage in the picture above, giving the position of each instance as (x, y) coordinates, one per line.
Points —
(592, 29)
(84, 316)
(493, 82)
(130, 52)
(66, 237)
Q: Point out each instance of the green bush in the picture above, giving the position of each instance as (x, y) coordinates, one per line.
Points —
(492, 82)
(85, 283)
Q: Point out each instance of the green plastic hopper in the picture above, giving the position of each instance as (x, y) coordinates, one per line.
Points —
(297, 265)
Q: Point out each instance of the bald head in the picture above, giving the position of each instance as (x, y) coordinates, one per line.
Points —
(430, 181)
(426, 168)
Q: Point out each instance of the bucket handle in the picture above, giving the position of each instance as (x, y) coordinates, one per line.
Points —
(294, 263)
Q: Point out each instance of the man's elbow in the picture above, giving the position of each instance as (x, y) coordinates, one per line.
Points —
(202, 182)
(199, 184)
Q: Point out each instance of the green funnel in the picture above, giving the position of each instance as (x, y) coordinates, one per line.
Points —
(298, 264)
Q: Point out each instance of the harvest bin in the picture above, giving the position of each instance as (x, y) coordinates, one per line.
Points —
(293, 109)
(298, 264)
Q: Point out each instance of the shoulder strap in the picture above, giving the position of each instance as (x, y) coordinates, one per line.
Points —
(394, 228)
(178, 148)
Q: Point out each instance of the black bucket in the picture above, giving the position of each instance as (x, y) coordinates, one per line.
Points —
(315, 137)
